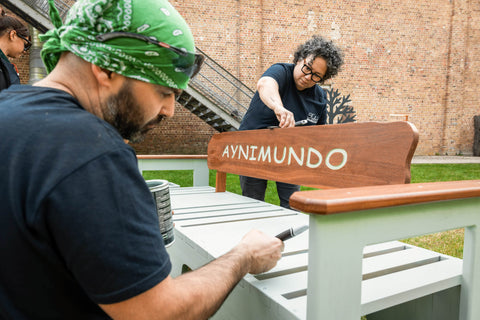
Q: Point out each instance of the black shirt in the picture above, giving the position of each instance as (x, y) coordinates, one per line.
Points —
(308, 104)
(78, 224)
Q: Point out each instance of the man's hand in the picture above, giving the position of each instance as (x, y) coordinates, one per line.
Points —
(199, 293)
(264, 251)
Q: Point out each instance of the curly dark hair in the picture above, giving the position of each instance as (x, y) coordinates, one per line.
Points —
(318, 46)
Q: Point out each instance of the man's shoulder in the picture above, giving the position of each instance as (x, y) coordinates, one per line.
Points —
(27, 95)
(55, 116)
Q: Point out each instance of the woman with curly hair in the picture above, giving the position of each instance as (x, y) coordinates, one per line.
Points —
(287, 95)
(14, 40)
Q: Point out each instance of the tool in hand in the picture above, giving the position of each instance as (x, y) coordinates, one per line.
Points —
(297, 124)
(291, 232)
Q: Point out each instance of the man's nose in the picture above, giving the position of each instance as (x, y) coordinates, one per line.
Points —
(169, 106)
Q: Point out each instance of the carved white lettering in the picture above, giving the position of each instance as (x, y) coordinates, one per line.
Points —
(313, 158)
(234, 150)
(252, 154)
(291, 152)
(309, 158)
(264, 154)
(342, 164)
(283, 157)
(243, 152)
(225, 153)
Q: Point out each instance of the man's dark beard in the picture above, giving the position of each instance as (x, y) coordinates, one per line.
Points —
(126, 116)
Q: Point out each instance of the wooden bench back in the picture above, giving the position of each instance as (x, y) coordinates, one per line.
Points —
(331, 156)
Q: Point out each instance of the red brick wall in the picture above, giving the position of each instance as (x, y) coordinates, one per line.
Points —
(184, 133)
(420, 58)
(402, 56)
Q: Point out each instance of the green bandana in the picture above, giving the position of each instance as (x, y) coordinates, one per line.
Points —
(146, 40)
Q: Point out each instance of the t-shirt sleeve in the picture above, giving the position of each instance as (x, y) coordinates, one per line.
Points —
(279, 72)
(105, 227)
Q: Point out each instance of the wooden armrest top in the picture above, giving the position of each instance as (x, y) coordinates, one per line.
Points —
(171, 156)
(360, 198)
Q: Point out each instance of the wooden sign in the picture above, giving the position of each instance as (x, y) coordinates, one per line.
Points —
(338, 156)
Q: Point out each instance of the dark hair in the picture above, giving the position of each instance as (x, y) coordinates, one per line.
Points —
(318, 46)
(8, 23)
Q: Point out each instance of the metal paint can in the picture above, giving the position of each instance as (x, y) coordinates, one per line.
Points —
(161, 195)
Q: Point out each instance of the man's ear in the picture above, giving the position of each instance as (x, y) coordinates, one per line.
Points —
(103, 76)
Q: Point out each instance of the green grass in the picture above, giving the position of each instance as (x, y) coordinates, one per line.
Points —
(444, 172)
(449, 242)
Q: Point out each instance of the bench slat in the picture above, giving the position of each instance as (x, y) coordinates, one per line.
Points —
(191, 190)
(387, 291)
(382, 248)
(198, 200)
(236, 209)
(207, 235)
(396, 261)
(393, 289)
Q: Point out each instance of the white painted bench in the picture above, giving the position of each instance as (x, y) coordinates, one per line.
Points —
(343, 261)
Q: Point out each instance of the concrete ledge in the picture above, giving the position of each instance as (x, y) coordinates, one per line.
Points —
(445, 159)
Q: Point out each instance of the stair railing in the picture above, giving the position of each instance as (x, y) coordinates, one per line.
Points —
(220, 86)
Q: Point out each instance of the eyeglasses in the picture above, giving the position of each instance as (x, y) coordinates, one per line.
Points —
(187, 62)
(308, 71)
(27, 45)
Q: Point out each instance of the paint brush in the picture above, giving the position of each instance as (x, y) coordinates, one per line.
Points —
(291, 232)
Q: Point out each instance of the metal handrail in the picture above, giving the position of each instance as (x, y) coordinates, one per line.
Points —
(231, 95)
(212, 63)
(43, 8)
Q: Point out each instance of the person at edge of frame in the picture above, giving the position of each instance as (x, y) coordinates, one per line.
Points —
(78, 224)
(287, 94)
(14, 41)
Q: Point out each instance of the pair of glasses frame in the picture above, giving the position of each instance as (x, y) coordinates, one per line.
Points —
(307, 70)
(27, 45)
(186, 62)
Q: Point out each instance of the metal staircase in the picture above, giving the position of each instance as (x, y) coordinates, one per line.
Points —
(214, 95)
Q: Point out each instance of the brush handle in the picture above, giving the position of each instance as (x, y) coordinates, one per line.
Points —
(291, 232)
(285, 235)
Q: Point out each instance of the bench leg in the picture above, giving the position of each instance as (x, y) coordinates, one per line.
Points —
(470, 292)
(335, 272)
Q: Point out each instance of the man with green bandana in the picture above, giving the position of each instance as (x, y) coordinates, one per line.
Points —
(79, 236)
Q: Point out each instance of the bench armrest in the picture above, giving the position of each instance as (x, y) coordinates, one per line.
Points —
(333, 201)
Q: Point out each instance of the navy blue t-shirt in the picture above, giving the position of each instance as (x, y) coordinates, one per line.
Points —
(309, 104)
(78, 225)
